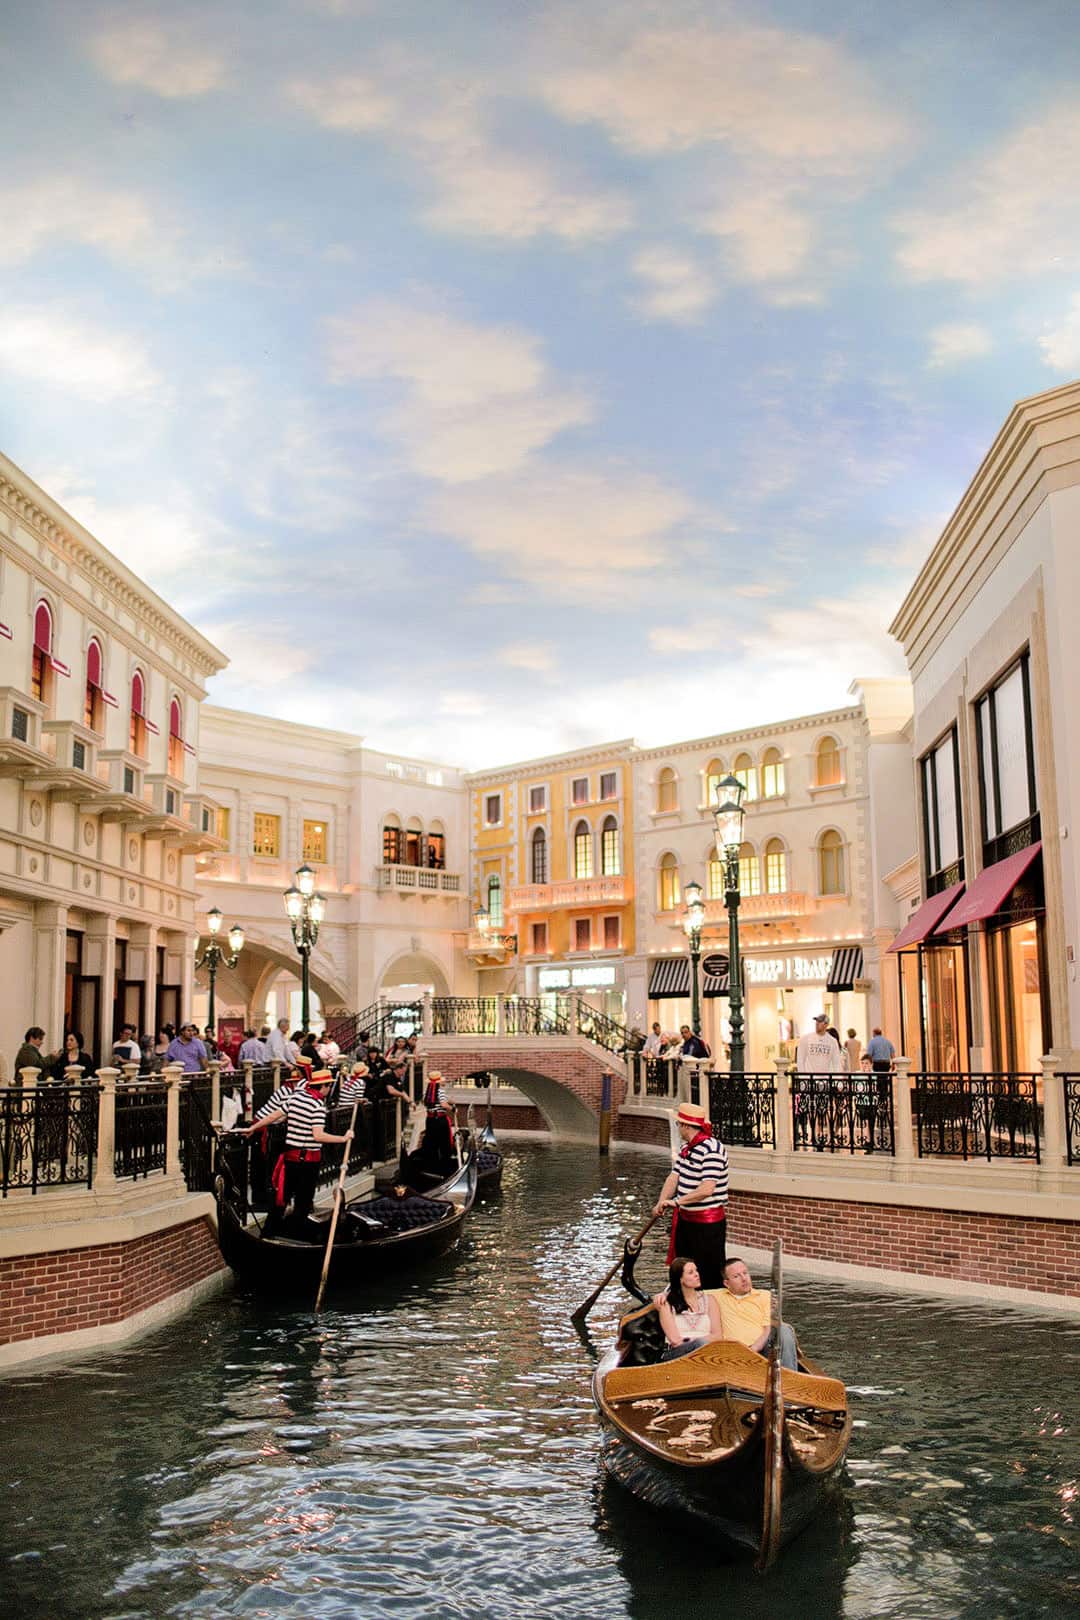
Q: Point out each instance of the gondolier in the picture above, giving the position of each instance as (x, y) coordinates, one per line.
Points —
(696, 1193)
(296, 1173)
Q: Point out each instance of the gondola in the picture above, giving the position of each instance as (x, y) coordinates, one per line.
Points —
(376, 1234)
(423, 1168)
(727, 1439)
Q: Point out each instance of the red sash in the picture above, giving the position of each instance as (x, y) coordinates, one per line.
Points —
(290, 1156)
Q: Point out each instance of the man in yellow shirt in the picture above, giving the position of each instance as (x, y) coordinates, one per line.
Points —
(745, 1314)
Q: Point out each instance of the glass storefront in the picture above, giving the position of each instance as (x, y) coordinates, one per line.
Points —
(935, 1026)
(1019, 1033)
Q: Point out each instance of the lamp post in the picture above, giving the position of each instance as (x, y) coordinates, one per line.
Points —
(306, 910)
(728, 816)
(693, 922)
(215, 956)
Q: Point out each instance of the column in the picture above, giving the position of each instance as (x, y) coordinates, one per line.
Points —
(903, 1146)
(172, 1075)
(50, 965)
(214, 1066)
(248, 1093)
(425, 1015)
(782, 1107)
(105, 1163)
(142, 964)
(99, 962)
(500, 1015)
(1053, 1146)
(185, 943)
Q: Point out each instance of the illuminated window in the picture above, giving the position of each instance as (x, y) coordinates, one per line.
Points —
(266, 838)
(414, 843)
(583, 850)
(609, 785)
(775, 867)
(670, 892)
(828, 762)
(314, 846)
(579, 790)
(436, 850)
(393, 843)
(494, 901)
(94, 705)
(582, 933)
(667, 790)
(539, 937)
(137, 729)
(749, 870)
(492, 809)
(539, 857)
(176, 740)
(612, 933)
(714, 878)
(745, 773)
(772, 774)
(41, 675)
(831, 862)
(221, 823)
(609, 847)
(714, 775)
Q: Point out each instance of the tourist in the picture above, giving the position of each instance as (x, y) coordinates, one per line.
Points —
(818, 1052)
(375, 1060)
(689, 1316)
(210, 1041)
(845, 1064)
(188, 1050)
(309, 1048)
(399, 1049)
(329, 1050)
(252, 1049)
(395, 1084)
(692, 1046)
(127, 1048)
(696, 1193)
(277, 1042)
(72, 1053)
(29, 1055)
(293, 1046)
(297, 1171)
(881, 1052)
(166, 1035)
(146, 1054)
(746, 1314)
(654, 1042)
(853, 1048)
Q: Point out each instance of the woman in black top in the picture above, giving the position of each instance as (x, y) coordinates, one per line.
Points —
(73, 1053)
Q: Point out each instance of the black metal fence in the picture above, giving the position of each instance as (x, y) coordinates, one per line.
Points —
(141, 1125)
(842, 1113)
(464, 1015)
(743, 1108)
(653, 1076)
(1071, 1085)
(977, 1116)
(536, 1015)
(48, 1137)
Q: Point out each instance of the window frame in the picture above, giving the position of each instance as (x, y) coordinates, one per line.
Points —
(837, 853)
(579, 923)
(667, 778)
(265, 854)
(541, 808)
(490, 799)
(776, 765)
(539, 870)
(837, 749)
(771, 855)
(668, 876)
(309, 851)
(1005, 840)
(939, 876)
(610, 840)
(538, 938)
(575, 783)
(494, 900)
(611, 917)
(613, 778)
(582, 844)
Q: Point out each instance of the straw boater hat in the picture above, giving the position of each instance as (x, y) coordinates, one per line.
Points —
(359, 1068)
(690, 1114)
(320, 1077)
(435, 1074)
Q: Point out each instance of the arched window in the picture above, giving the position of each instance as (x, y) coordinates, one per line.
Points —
(670, 892)
(41, 666)
(494, 901)
(137, 731)
(775, 867)
(583, 850)
(831, 862)
(714, 877)
(176, 739)
(745, 773)
(94, 704)
(393, 842)
(828, 762)
(414, 839)
(772, 774)
(539, 856)
(436, 847)
(714, 775)
(609, 847)
(749, 870)
(667, 790)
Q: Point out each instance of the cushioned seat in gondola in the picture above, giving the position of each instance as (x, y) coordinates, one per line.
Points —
(641, 1338)
(404, 1214)
(488, 1161)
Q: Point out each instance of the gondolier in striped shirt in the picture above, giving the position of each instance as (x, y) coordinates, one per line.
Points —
(696, 1193)
(297, 1171)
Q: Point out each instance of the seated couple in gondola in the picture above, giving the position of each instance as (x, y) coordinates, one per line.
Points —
(690, 1316)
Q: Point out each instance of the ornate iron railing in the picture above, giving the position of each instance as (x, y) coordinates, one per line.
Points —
(381, 1021)
(262, 1086)
(603, 1031)
(977, 1116)
(743, 1108)
(1071, 1084)
(653, 1076)
(140, 1130)
(536, 1015)
(464, 1015)
(48, 1136)
(196, 1134)
(842, 1113)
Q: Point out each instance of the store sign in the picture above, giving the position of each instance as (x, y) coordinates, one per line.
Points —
(579, 978)
(714, 966)
(787, 969)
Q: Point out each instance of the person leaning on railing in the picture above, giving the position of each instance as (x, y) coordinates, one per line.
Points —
(30, 1055)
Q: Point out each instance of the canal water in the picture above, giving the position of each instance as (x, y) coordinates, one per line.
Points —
(430, 1452)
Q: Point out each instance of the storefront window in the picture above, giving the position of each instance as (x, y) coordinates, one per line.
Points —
(1017, 1015)
(1006, 759)
(945, 1012)
(911, 1009)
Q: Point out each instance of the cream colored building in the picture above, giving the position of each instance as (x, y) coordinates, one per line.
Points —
(101, 814)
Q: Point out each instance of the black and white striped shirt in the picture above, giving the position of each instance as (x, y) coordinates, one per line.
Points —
(303, 1113)
(708, 1161)
(273, 1103)
(352, 1089)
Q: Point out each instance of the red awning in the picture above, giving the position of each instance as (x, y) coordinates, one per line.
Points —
(930, 912)
(993, 885)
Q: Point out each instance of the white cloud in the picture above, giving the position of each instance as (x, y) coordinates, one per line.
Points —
(1004, 216)
(537, 657)
(768, 237)
(158, 55)
(478, 401)
(683, 638)
(163, 540)
(676, 287)
(96, 363)
(246, 647)
(956, 341)
(354, 103)
(1061, 345)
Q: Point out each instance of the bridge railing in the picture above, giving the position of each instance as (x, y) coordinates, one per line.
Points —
(842, 1113)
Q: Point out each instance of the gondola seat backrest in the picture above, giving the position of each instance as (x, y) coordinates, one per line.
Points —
(641, 1338)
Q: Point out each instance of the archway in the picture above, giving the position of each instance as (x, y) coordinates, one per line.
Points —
(408, 975)
(261, 963)
(564, 1112)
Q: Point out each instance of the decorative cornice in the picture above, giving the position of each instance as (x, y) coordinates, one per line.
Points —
(49, 523)
(614, 753)
(852, 713)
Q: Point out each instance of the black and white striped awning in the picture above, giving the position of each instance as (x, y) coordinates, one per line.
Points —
(715, 984)
(846, 967)
(670, 977)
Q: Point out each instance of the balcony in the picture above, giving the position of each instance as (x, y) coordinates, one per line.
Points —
(200, 814)
(422, 880)
(601, 891)
(260, 871)
(486, 949)
(764, 907)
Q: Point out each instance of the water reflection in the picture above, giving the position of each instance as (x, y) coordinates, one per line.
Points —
(432, 1452)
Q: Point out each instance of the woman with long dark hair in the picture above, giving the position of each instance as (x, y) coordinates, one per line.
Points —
(689, 1316)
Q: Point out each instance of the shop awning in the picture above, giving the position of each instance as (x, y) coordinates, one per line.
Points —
(669, 977)
(846, 967)
(990, 889)
(928, 915)
(715, 984)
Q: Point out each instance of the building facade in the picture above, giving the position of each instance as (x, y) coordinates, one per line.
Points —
(986, 963)
(101, 813)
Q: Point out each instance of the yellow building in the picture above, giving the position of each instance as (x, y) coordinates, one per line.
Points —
(552, 878)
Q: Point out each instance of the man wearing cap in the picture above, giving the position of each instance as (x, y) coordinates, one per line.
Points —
(297, 1171)
(696, 1193)
(816, 1053)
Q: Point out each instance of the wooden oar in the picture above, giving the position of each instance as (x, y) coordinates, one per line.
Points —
(583, 1310)
(337, 1211)
(772, 1423)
